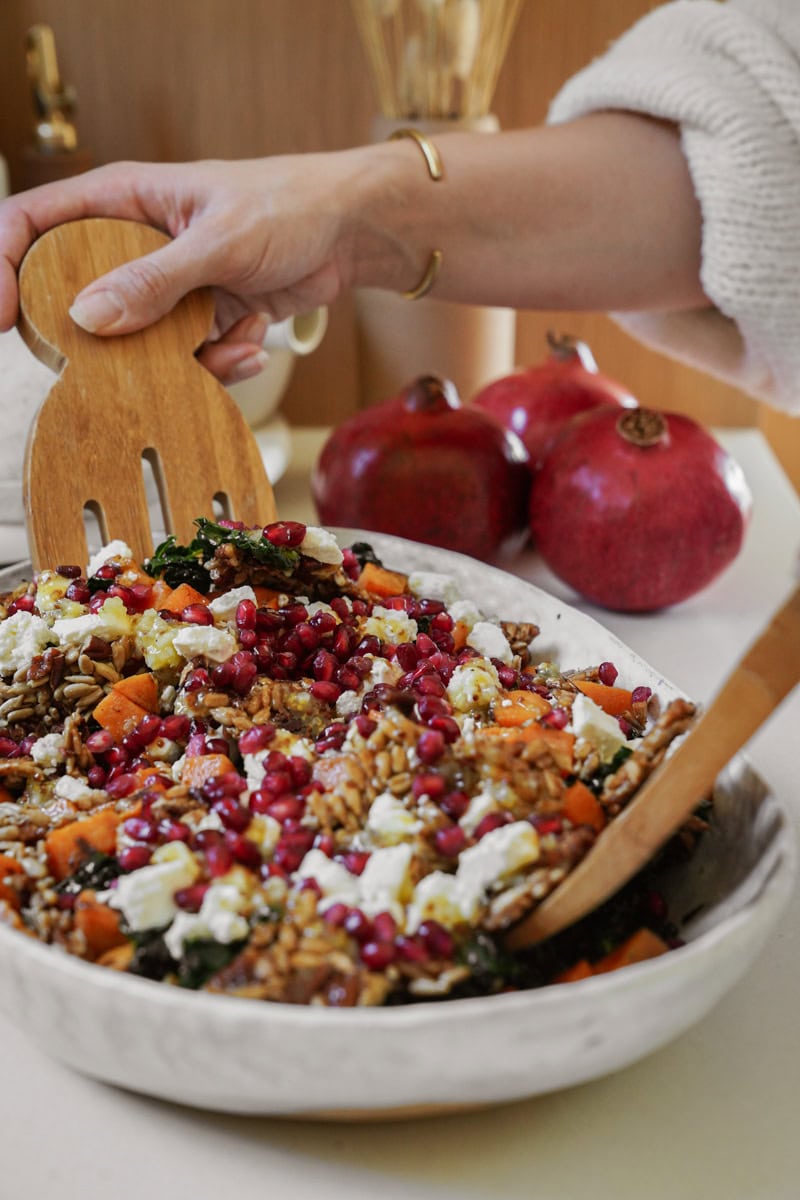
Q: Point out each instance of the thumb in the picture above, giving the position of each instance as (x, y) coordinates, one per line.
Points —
(138, 293)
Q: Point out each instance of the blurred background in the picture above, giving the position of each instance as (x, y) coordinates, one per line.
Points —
(175, 80)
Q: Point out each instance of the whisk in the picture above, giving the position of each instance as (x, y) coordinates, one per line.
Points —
(435, 59)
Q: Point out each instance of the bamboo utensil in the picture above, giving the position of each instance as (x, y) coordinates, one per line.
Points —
(433, 59)
(123, 401)
(768, 672)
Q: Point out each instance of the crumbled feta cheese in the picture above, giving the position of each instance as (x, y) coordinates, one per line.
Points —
(220, 919)
(319, 606)
(196, 641)
(49, 751)
(321, 545)
(433, 586)
(385, 882)
(390, 625)
(145, 897)
(74, 790)
(453, 899)
(50, 591)
(465, 612)
(224, 607)
(381, 671)
(264, 832)
(22, 636)
(436, 898)
(473, 684)
(596, 727)
(111, 621)
(154, 637)
(113, 552)
(337, 884)
(479, 807)
(497, 854)
(490, 641)
(389, 821)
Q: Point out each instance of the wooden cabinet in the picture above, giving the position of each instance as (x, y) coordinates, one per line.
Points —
(184, 79)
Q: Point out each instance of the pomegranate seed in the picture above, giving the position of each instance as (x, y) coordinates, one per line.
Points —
(131, 858)
(99, 742)
(106, 571)
(428, 785)
(70, 571)
(324, 666)
(285, 808)
(344, 642)
(118, 591)
(222, 675)
(8, 748)
(22, 604)
(293, 614)
(492, 820)
(454, 805)
(358, 925)
(97, 601)
(308, 636)
(219, 858)
(140, 828)
(625, 727)
(285, 533)
(444, 640)
(411, 950)
(407, 656)
(243, 850)
(248, 639)
(448, 727)
(508, 677)
(246, 614)
(325, 843)
(429, 707)
(557, 718)
(384, 926)
(27, 744)
(174, 831)
(425, 645)
(431, 746)
(232, 814)
(377, 955)
(141, 597)
(117, 757)
(436, 939)
(640, 695)
(607, 673)
(442, 622)
(229, 783)
(322, 621)
(655, 905)
(96, 776)
(354, 860)
(245, 672)
(122, 785)
(255, 739)
(336, 913)
(327, 692)
(148, 729)
(450, 841)
(79, 592)
(190, 899)
(350, 564)
(276, 761)
(341, 607)
(227, 524)
(544, 825)
(197, 679)
(365, 725)
(197, 614)
(175, 728)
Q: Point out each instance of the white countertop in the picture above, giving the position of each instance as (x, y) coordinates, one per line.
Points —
(714, 1115)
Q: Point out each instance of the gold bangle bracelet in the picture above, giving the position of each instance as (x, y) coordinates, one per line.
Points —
(433, 162)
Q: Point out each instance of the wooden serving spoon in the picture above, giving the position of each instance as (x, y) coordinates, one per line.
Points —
(766, 674)
(121, 400)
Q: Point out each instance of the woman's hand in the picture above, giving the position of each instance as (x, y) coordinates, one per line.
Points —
(235, 228)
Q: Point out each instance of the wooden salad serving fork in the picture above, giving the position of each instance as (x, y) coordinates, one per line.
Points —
(121, 401)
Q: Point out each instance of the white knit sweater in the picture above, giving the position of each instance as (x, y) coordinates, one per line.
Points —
(729, 75)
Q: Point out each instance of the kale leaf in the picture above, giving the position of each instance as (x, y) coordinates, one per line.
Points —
(202, 958)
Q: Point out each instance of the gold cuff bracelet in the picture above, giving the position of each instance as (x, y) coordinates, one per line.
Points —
(436, 171)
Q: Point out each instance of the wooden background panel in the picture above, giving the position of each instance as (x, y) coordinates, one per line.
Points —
(184, 79)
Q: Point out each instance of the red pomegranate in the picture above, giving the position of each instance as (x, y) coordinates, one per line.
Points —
(638, 510)
(423, 466)
(537, 402)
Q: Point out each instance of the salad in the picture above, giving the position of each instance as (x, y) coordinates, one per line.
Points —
(268, 766)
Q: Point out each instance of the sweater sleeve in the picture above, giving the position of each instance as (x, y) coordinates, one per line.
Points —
(729, 76)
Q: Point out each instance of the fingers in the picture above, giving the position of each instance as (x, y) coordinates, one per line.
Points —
(138, 293)
(240, 353)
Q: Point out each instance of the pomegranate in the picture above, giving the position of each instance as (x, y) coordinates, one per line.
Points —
(422, 466)
(537, 402)
(638, 510)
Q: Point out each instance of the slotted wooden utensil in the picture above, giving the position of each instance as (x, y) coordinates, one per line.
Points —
(123, 400)
(766, 674)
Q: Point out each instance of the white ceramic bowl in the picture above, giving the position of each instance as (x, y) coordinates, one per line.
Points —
(247, 1056)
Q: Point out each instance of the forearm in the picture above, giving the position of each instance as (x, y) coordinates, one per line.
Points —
(598, 214)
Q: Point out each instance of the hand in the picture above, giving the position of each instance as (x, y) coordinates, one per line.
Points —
(235, 228)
